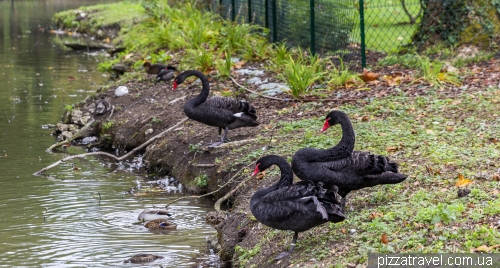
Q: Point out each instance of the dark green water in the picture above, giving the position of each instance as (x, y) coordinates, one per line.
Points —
(58, 220)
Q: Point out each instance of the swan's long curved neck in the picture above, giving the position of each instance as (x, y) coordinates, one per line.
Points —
(202, 97)
(286, 172)
(342, 150)
(346, 144)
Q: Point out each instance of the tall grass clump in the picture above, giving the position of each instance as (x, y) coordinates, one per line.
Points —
(341, 75)
(431, 73)
(300, 75)
(224, 66)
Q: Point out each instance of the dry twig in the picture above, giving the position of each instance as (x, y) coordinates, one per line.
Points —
(40, 172)
(77, 135)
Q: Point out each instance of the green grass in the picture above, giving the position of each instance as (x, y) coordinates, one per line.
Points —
(436, 139)
(124, 14)
(385, 25)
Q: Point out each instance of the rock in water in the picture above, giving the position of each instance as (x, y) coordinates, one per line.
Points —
(142, 258)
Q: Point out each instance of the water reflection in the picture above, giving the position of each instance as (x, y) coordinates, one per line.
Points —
(82, 214)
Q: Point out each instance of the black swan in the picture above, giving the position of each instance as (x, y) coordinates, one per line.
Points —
(340, 166)
(297, 207)
(154, 68)
(166, 74)
(224, 113)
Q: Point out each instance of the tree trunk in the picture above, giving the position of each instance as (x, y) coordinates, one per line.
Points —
(458, 22)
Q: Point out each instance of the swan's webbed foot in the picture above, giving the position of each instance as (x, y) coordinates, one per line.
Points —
(287, 253)
(342, 205)
(282, 255)
(215, 144)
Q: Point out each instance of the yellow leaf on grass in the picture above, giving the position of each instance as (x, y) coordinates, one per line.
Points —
(462, 181)
(484, 248)
(239, 64)
(391, 149)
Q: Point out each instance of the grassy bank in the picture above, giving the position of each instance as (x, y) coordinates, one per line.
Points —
(434, 139)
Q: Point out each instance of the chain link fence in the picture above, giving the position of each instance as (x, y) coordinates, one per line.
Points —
(331, 27)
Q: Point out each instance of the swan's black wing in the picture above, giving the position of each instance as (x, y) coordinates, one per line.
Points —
(360, 170)
(233, 105)
(297, 207)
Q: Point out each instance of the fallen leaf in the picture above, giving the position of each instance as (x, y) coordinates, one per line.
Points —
(368, 76)
(416, 183)
(433, 171)
(462, 181)
(107, 40)
(470, 205)
(71, 78)
(449, 128)
(364, 118)
(128, 56)
(496, 177)
(392, 81)
(455, 102)
(344, 230)
(429, 131)
(239, 64)
(382, 134)
(484, 248)
(495, 192)
(374, 215)
(384, 239)
(391, 149)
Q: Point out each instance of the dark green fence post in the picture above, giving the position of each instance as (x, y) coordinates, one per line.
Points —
(313, 28)
(233, 10)
(275, 27)
(220, 8)
(362, 32)
(266, 13)
(249, 11)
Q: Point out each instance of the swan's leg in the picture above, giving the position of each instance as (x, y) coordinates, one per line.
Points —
(342, 202)
(292, 247)
(222, 138)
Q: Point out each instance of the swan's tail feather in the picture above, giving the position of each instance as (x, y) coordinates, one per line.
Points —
(392, 166)
(248, 109)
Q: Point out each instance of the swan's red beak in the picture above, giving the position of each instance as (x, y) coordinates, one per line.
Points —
(325, 126)
(175, 85)
(256, 170)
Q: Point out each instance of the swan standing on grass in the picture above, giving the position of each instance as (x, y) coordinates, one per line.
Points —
(343, 167)
(297, 207)
(224, 113)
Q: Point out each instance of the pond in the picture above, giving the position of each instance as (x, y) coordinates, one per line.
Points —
(81, 214)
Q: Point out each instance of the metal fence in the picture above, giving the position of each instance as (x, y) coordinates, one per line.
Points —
(336, 27)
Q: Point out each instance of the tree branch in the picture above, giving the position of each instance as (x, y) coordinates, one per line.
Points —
(77, 135)
(40, 172)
